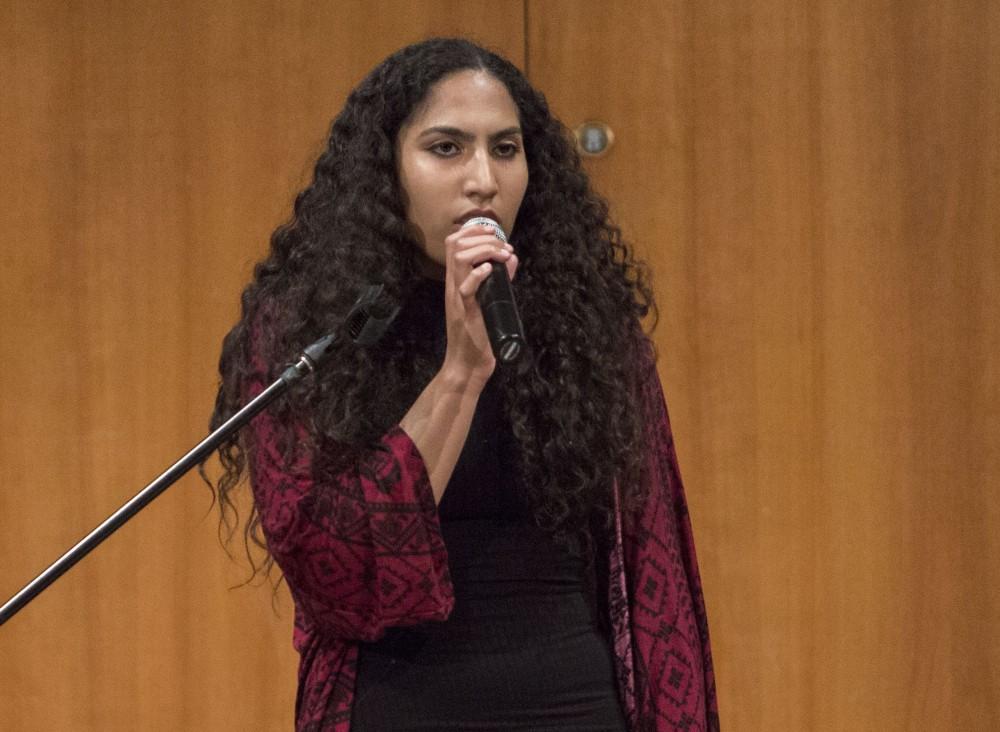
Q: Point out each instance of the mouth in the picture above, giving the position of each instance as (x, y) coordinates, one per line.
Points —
(477, 213)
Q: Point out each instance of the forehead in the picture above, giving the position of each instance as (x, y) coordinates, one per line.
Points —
(469, 96)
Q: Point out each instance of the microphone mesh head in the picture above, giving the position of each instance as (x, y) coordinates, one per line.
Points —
(489, 223)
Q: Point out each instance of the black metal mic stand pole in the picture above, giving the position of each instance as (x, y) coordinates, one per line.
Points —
(362, 326)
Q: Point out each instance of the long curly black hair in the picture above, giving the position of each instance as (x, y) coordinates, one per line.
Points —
(575, 410)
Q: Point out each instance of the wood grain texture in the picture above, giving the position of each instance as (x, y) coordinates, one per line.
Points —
(147, 151)
(815, 186)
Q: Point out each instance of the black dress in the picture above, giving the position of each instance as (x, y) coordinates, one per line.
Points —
(523, 648)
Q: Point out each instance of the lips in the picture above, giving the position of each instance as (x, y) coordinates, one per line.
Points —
(483, 212)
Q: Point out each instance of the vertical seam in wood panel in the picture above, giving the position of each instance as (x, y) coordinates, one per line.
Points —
(527, 48)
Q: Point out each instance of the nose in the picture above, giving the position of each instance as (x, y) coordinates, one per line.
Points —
(480, 179)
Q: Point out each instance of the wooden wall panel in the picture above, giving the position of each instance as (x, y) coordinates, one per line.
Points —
(816, 188)
(147, 151)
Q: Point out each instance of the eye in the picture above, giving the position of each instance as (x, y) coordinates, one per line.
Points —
(445, 148)
(507, 149)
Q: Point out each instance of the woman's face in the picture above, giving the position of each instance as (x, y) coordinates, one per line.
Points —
(461, 155)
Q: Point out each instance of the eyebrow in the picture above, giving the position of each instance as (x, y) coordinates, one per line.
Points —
(467, 136)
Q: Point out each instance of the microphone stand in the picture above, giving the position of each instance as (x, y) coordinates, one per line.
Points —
(363, 327)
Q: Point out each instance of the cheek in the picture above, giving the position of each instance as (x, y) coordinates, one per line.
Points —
(422, 196)
(521, 186)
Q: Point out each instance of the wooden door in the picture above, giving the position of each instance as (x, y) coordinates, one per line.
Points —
(148, 151)
(816, 188)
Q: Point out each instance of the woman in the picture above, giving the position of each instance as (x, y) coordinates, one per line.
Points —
(467, 547)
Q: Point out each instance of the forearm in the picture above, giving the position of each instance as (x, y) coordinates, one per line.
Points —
(438, 423)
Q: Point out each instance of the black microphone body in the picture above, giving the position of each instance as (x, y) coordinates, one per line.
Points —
(496, 300)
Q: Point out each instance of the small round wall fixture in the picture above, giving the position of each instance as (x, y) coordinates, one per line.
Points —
(594, 138)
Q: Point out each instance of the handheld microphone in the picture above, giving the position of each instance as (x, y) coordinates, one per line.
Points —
(496, 300)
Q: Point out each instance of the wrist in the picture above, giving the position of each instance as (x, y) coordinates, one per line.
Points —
(459, 378)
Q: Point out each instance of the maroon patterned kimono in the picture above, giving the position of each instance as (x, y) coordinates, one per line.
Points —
(367, 554)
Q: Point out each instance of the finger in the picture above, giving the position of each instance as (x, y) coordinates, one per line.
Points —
(512, 263)
(479, 230)
(471, 232)
(478, 241)
(457, 243)
(484, 252)
(476, 277)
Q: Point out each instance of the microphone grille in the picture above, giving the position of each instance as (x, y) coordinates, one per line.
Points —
(489, 223)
